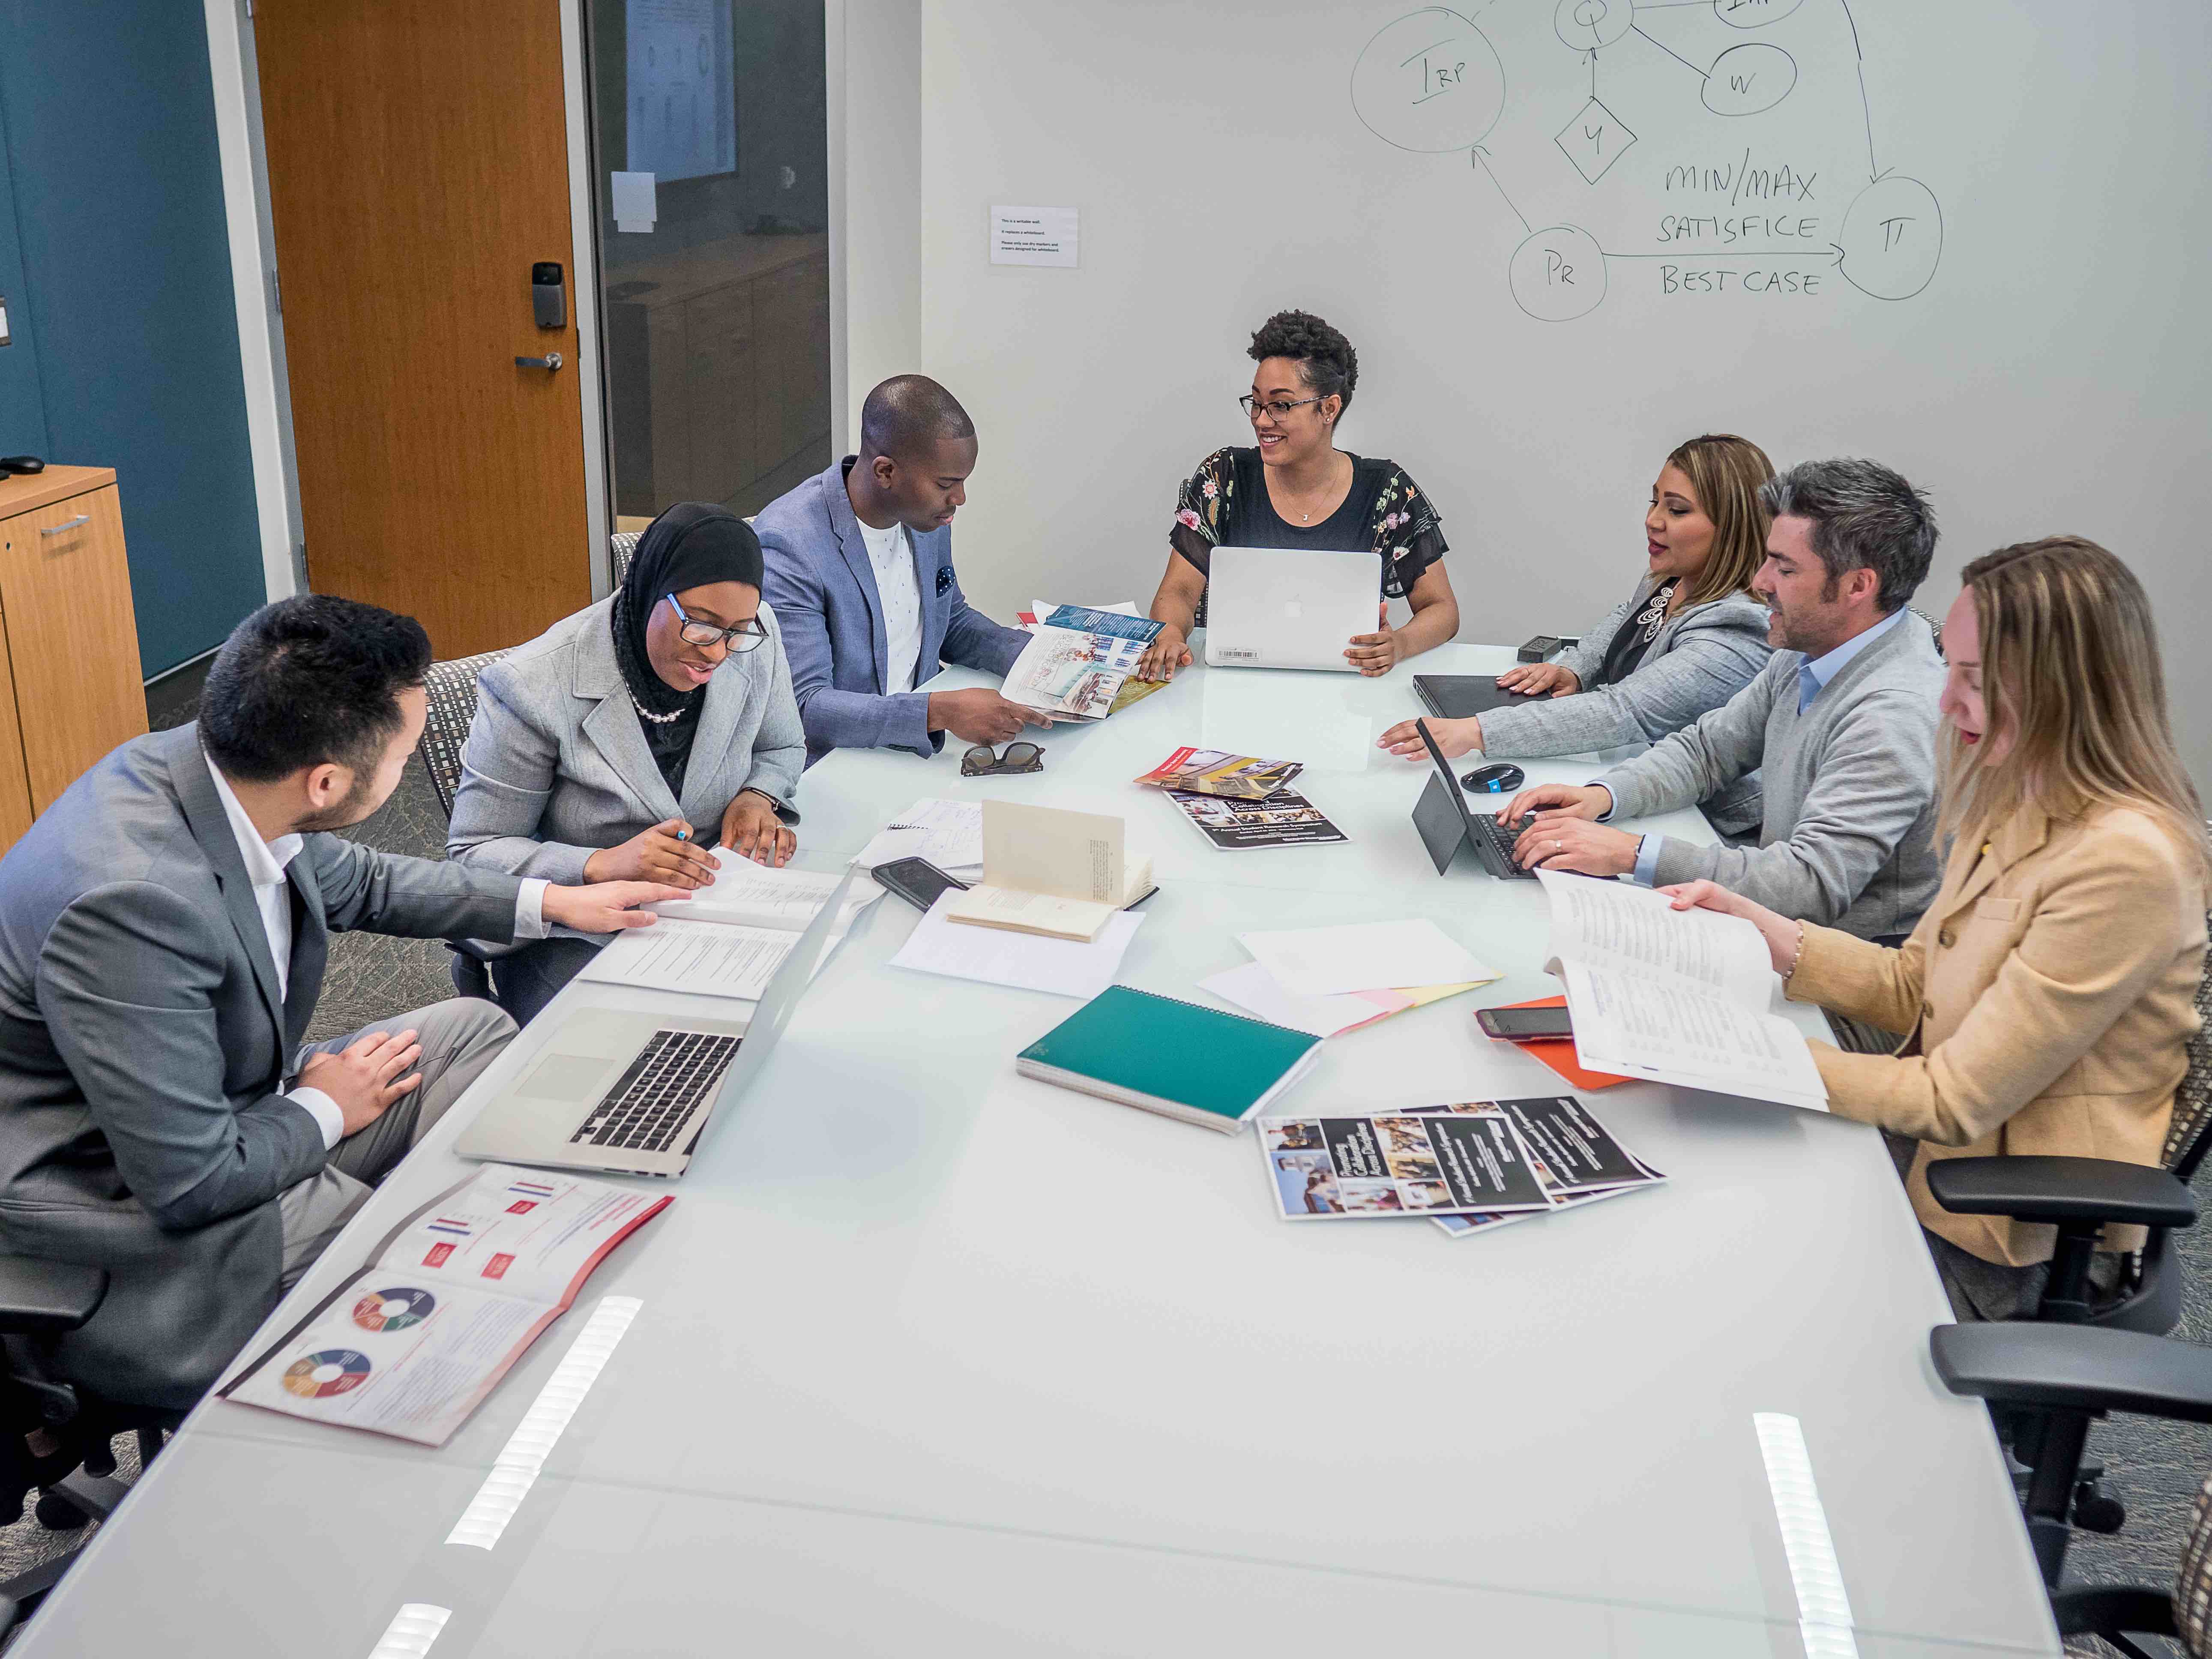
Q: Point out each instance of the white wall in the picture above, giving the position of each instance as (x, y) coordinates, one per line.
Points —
(2051, 378)
(875, 123)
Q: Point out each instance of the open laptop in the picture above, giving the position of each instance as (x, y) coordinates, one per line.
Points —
(1445, 822)
(630, 1093)
(1272, 607)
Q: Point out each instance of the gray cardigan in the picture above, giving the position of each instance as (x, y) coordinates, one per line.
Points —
(556, 765)
(1701, 657)
(1848, 837)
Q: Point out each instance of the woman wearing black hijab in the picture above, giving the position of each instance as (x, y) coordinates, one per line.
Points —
(626, 738)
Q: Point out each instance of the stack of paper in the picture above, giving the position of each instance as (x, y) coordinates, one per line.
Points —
(1026, 961)
(729, 939)
(1329, 981)
(1675, 996)
(947, 833)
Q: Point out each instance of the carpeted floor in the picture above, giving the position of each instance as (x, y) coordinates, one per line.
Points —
(2156, 1467)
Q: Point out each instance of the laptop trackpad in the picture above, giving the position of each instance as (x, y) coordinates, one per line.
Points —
(572, 1077)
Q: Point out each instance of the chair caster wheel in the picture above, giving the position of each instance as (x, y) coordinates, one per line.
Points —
(56, 1514)
(2095, 1510)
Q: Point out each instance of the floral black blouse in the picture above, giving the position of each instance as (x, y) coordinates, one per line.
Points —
(1224, 504)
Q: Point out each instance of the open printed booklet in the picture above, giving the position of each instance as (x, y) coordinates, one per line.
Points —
(413, 1343)
(1675, 996)
(729, 939)
(1076, 661)
(1576, 1159)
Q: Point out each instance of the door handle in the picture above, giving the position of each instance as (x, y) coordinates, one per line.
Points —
(552, 360)
(57, 529)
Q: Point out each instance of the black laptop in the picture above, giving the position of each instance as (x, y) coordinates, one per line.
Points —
(1445, 822)
(1454, 696)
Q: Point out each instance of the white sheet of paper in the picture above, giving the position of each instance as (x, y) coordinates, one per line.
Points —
(1253, 989)
(759, 895)
(1671, 1031)
(1363, 956)
(1033, 235)
(711, 958)
(1612, 924)
(1024, 960)
(948, 833)
(635, 201)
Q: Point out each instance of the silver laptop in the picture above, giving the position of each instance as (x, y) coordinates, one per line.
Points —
(631, 1093)
(1271, 607)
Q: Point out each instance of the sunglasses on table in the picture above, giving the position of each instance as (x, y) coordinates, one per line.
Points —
(983, 760)
(745, 636)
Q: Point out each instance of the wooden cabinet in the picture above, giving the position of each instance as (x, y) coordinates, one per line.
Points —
(718, 368)
(70, 687)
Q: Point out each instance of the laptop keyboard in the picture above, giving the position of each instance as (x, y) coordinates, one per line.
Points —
(672, 1073)
(1501, 836)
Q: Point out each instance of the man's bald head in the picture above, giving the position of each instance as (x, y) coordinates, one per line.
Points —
(908, 416)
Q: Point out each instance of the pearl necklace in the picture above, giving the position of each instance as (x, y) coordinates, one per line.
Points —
(645, 713)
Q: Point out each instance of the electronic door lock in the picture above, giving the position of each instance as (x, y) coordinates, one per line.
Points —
(549, 294)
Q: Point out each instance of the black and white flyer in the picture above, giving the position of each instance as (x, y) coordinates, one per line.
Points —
(1400, 1163)
(1286, 818)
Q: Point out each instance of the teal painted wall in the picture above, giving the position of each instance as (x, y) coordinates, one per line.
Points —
(115, 258)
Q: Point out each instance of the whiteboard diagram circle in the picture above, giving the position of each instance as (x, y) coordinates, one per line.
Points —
(1750, 78)
(1429, 82)
(1587, 24)
(1558, 274)
(1893, 238)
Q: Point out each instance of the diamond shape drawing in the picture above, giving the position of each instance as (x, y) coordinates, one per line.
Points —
(1595, 140)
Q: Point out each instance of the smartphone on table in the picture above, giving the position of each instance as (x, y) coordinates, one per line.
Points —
(1524, 1025)
(916, 880)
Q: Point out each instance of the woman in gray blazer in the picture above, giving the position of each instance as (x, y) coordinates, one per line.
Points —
(632, 735)
(1686, 640)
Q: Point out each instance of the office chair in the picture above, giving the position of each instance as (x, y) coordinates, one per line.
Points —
(2072, 1374)
(621, 550)
(1934, 626)
(40, 1300)
(2081, 1196)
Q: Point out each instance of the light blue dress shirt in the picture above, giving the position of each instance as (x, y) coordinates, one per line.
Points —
(1813, 677)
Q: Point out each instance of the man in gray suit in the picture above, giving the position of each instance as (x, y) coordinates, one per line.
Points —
(163, 931)
(1840, 725)
(860, 575)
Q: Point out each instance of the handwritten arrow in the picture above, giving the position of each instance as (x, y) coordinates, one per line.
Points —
(1593, 63)
(1676, 56)
(1875, 170)
(1481, 158)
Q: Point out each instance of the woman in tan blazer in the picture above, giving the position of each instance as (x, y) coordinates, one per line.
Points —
(2045, 1001)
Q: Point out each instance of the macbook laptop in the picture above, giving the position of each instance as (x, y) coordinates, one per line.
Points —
(631, 1093)
(1445, 822)
(1272, 607)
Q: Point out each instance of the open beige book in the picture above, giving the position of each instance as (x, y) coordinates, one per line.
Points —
(1684, 997)
(1050, 871)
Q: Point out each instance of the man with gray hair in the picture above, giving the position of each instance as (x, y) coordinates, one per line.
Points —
(1840, 725)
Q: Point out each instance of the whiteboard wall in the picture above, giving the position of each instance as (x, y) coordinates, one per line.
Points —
(2046, 373)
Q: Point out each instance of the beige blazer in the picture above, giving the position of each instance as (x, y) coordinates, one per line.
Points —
(2045, 999)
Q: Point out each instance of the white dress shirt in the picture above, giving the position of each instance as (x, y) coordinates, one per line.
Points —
(892, 561)
(264, 867)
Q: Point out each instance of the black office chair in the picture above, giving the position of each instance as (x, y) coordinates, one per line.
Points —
(74, 1470)
(2072, 1374)
(2080, 1197)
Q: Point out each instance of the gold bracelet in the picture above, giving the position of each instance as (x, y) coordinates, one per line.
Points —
(1790, 972)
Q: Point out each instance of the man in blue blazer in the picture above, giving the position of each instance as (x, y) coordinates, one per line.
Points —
(860, 574)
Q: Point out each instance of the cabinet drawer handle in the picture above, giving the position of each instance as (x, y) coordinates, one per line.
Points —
(56, 529)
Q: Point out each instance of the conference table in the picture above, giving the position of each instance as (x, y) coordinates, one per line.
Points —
(930, 1358)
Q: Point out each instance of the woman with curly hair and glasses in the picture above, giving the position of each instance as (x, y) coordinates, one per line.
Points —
(1295, 489)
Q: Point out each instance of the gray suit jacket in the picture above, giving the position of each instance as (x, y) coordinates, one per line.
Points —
(1847, 836)
(557, 766)
(142, 1048)
(1700, 657)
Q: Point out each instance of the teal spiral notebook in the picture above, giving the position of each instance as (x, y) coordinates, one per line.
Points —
(1172, 1057)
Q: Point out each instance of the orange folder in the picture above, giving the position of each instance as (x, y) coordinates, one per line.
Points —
(1559, 1054)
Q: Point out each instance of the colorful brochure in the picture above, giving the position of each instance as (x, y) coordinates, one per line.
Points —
(1217, 772)
(1076, 661)
(1577, 1159)
(1400, 1163)
(1286, 818)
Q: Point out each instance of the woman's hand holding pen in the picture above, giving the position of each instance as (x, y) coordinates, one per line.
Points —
(665, 852)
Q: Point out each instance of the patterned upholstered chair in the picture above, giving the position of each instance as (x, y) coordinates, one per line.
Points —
(621, 550)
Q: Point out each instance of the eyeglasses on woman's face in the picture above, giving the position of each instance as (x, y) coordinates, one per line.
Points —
(1276, 408)
(745, 636)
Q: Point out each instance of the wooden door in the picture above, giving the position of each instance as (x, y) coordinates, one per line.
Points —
(418, 169)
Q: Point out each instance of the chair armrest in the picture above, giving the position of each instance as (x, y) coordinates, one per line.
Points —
(2061, 1189)
(43, 1298)
(476, 951)
(2075, 1368)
